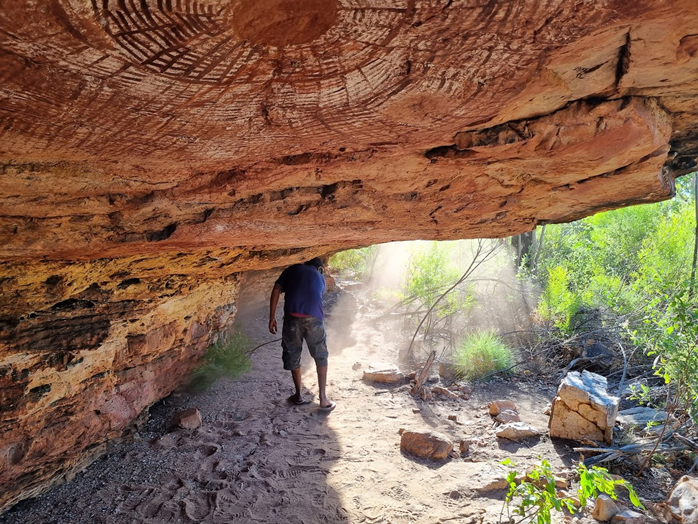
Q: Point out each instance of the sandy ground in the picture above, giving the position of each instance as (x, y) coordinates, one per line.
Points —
(258, 459)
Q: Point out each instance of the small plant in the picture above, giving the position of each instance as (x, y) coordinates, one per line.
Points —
(228, 358)
(482, 353)
(537, 494)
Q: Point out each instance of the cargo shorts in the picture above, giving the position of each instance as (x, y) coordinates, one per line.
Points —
(297, 329)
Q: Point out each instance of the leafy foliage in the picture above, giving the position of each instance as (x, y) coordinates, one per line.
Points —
(669, 331)
(481, 354)
(558, 303)
(227, 358)
(356, 261)
(534, 498)
(634, 266)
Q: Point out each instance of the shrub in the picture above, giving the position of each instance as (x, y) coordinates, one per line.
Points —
(225, 358)
(482, 353)
(357, 261)
(558, 304)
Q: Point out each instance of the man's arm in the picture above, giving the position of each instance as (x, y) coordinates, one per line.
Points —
(273, 302)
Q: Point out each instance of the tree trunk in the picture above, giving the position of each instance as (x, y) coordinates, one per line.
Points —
(695, 237)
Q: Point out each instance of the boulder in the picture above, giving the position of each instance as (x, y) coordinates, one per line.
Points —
(187, 419)
(516, 431)
(683, 501)
(429, 445)
(605, 508)
(583, 409)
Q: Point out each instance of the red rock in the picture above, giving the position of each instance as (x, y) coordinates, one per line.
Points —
(497, 406)
(135, 193)
(188, 419)
(430, 445)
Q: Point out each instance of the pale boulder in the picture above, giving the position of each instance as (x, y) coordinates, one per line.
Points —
(583, 409)
(384, 374)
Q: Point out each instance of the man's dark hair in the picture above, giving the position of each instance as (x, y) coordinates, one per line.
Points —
(315, 262)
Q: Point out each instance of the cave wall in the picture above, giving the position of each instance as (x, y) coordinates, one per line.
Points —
(152, 152)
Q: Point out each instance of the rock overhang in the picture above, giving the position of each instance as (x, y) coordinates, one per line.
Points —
(153, 151)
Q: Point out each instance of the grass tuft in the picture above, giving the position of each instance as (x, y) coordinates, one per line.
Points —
(225, 358)
(482, 353)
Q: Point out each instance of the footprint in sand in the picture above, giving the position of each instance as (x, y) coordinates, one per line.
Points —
(206, 450)
(198, 505)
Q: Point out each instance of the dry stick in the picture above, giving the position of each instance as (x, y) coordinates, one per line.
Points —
(691, 445)
(625, 368)
(423, 374)
(266, 343)
(669, 412)
(472, 267)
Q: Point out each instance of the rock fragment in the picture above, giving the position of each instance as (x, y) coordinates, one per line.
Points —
(605, 508)
(384, 374)
(497, 406)
(187, 419)
(445, 392)
(429, 445)
(628, 517)
(516, 431)
(507, 416)
(683, 500)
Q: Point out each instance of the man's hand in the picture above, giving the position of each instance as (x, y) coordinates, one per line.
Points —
(272, 326)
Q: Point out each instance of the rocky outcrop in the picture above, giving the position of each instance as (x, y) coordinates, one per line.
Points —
(151, 152)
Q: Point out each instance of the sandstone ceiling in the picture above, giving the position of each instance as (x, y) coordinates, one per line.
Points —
(152, 150)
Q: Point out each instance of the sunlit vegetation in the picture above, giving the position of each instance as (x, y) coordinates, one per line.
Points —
(634, 269)
(354, 263)
(482, 353)
(226, 358)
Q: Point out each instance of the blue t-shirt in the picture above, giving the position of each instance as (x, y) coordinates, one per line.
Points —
(303, 286)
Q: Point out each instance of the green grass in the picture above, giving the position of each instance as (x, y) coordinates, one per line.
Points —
(228, 358)
(482, 353)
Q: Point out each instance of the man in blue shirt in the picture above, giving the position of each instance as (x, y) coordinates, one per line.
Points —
(303, 286)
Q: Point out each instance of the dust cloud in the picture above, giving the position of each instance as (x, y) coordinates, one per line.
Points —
(490, 298)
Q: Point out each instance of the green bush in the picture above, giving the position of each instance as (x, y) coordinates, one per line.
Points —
(357, 261)
(482, 353)
(227, 358)
(558, 303)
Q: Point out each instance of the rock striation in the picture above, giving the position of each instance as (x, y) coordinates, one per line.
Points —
(152, 152)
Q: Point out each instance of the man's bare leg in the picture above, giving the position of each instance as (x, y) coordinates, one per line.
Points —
(296, 374)
(322, 381)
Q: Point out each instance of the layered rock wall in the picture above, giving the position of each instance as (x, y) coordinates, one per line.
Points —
(153, 151)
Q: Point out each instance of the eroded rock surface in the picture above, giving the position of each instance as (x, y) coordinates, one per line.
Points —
(153, 151)
(583, 409)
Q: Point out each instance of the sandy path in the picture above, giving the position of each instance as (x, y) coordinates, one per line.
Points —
(258, 459)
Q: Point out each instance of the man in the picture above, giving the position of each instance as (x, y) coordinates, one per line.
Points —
(303, 286)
